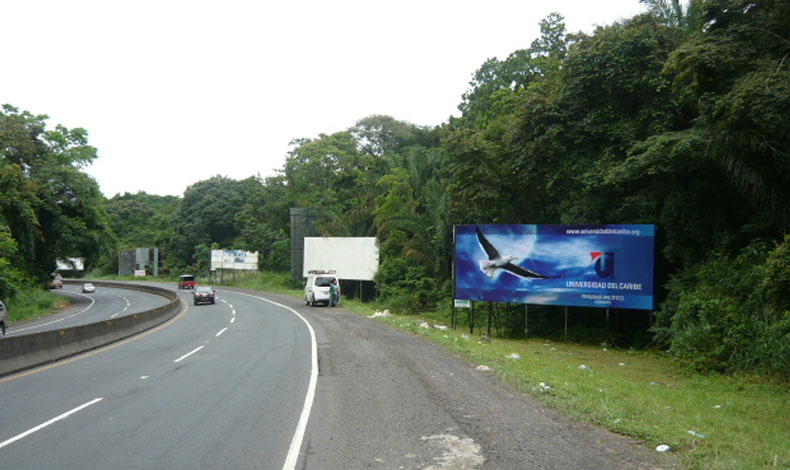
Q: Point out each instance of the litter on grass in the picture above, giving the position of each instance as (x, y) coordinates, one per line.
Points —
(542, 388)
(377, 314)
(513, 356)
(662, 448)
(583, 367)
(696, 434)
(484, 368)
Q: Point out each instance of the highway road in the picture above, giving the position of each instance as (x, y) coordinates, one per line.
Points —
(220, 386)
(232, 385)
(104, 304)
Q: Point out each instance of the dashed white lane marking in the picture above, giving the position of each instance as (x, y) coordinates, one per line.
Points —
(221, 331)
(189, 354)
(48, 423)
(128, 304)
(233, 319)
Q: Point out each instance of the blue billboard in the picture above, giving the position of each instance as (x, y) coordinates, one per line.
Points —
(607, 266)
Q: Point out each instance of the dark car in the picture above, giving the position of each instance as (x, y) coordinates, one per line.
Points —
(186, 281)
(203, 294)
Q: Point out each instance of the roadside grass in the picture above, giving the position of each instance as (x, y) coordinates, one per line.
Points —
(709, 421)
(33, 302)
(278, 283)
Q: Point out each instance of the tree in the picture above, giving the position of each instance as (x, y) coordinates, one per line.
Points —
(207, 215)
(51, 208)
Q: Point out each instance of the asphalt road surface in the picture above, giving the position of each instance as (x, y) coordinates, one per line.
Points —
(229, 386)
(104, 304)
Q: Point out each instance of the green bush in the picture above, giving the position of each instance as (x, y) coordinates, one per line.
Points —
(405, 287)
(776, 279)
(725, 314)
(30, 302)
(279, 258)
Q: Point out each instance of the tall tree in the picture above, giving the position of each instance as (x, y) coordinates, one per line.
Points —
(52, 209)
(206, 216)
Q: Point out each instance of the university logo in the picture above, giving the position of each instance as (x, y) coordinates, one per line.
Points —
(604, 263)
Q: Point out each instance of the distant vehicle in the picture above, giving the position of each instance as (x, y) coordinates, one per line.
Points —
(3, 318)
(88, 288)
(317, 287)
(186, 281)
(55, 281)
(203, 294)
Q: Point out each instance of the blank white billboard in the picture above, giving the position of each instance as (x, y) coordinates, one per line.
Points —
(352, 258)
(234, 259)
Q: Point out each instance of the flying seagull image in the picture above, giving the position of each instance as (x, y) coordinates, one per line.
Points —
(495, 261)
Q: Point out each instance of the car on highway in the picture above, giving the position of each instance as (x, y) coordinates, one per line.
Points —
(317, 288)
(55, 281)
(3, 318)
(88, 288)
(186, 281)
(203, 294)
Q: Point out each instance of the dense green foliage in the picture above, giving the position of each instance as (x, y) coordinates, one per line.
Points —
(49, 208)
(678, 117)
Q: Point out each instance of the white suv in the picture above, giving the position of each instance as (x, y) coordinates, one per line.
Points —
(317, 290)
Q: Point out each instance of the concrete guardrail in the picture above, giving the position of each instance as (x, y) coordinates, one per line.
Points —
(18, 353)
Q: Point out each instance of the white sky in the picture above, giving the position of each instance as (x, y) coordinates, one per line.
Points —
(173, 92)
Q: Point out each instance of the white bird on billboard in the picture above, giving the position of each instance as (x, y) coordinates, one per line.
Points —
(495, 261)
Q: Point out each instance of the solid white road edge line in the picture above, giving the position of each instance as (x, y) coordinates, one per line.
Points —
(189, 354)
(93, 301)
(301, 426)
(51, 421)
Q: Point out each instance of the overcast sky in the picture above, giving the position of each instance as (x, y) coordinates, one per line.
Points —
(175, 92)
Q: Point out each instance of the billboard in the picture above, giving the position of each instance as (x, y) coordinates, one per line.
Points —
(607, 266)
(352, 258)
(234, 259)
(69, 264)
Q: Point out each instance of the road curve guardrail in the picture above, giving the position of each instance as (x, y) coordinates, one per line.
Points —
(18, 353)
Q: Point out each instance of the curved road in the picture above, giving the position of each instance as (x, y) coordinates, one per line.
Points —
(228, 386)
(104, 304)
(221, 386)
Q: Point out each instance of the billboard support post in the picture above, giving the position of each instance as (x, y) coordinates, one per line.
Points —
(490, 317)
(472, 319)
(608, 330)
(526, 321)
(497, 320)
(566, 323)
